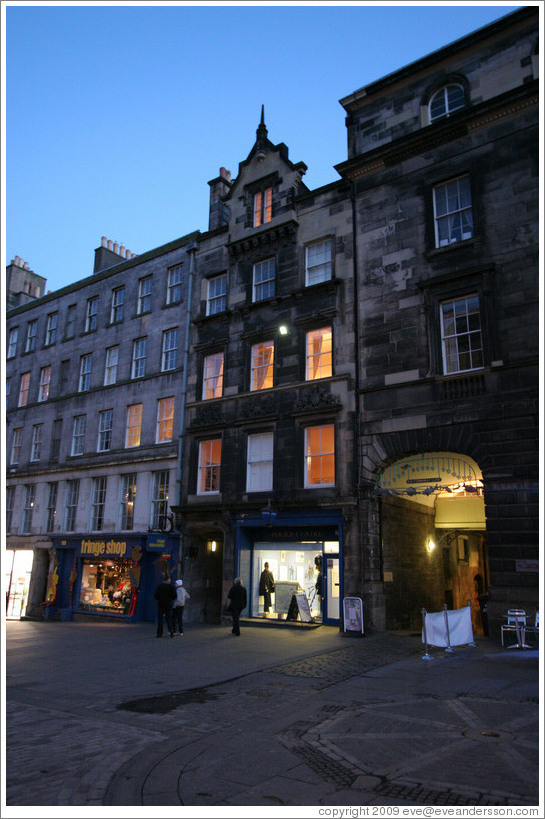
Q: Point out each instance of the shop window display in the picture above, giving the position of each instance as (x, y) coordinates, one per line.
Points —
(295, 568)
(106, 586)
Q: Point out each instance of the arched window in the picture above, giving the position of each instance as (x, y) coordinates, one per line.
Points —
(444, 102)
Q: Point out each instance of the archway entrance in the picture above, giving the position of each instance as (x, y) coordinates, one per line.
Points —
(433, 527)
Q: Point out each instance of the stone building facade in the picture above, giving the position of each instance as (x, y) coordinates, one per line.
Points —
(443, 164)
(357, 401)
(268, 466)
(92, 426)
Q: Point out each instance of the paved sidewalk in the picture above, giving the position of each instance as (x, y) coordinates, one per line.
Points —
(104, 714)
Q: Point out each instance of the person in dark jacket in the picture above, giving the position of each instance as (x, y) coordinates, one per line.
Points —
(237, 596)
(165, 595)
(266, 587)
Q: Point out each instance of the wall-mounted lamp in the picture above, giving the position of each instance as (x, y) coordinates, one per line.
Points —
(283, 330)
(213, 546)
(430, 545)
(268, 514)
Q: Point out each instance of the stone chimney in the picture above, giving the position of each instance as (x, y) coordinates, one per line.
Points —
(219, 188)
(110, 253)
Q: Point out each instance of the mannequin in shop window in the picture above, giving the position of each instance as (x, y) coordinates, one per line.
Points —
(318, 590)
(266, 587)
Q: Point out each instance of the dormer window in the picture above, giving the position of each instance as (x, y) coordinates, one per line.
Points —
(446, 101)
(262, 207)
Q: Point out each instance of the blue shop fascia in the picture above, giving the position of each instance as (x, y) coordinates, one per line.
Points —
(110, 575)
(304, 552)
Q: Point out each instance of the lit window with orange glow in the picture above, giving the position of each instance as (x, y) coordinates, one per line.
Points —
(209, 467)
(134, 425)
(320, 456)
(165, 419)
(262, 207)
(262, 366)
(212, 383)
(319, 354)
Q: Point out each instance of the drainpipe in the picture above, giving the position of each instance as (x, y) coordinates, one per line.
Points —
(356, 302)
(192, 252)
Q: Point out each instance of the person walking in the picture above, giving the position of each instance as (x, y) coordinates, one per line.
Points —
(178, 608)
(266, 587)
(237, 596)
(165, 596)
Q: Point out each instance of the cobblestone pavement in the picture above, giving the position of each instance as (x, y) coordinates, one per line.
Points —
(108, 717)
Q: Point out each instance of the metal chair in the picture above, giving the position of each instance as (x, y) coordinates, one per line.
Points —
(516, 621)
(535, 628)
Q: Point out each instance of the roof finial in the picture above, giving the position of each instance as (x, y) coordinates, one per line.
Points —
(262, 129)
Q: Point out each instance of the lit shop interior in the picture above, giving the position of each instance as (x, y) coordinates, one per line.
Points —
(309, 568)
(105, 586)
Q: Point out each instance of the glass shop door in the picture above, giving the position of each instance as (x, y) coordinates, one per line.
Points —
(332, 591)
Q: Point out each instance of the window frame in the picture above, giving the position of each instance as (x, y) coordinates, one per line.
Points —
(164, 429)
(28, 508)
(209, 471)
(168, 353)
(12, 342)
(311, 357)
(24, 389)
(91, 315)
(117, 307)
(265, 283)
(455, 212)
(128, 496)
(110, 368)
(71, 504)
(257, 352)
(322, 454)
(309, 267)
(143, 304)
(262, 207)
(258, 466)
(138, 360)
(98, 503)
(85, 370)
(105, 431)
(159, 498)
(215, 376)
(77, 447)
(51, 505)
(31, 335)
(448, 111)
(45, 383)
(175, 287)
(129, 427)
(444, 336)
(212, 300)
(36, 443)
(16, 441)
(51, 329)
(10, 504)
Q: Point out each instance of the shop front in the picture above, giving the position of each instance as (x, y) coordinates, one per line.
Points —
(18, 573)
(293, 560)
(110, 576)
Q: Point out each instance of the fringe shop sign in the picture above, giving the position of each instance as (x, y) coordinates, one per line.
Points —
(98, 548)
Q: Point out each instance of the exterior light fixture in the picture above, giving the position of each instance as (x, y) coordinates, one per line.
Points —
(283, 330)
(213, 546)
(268, 514)
(430, 545)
